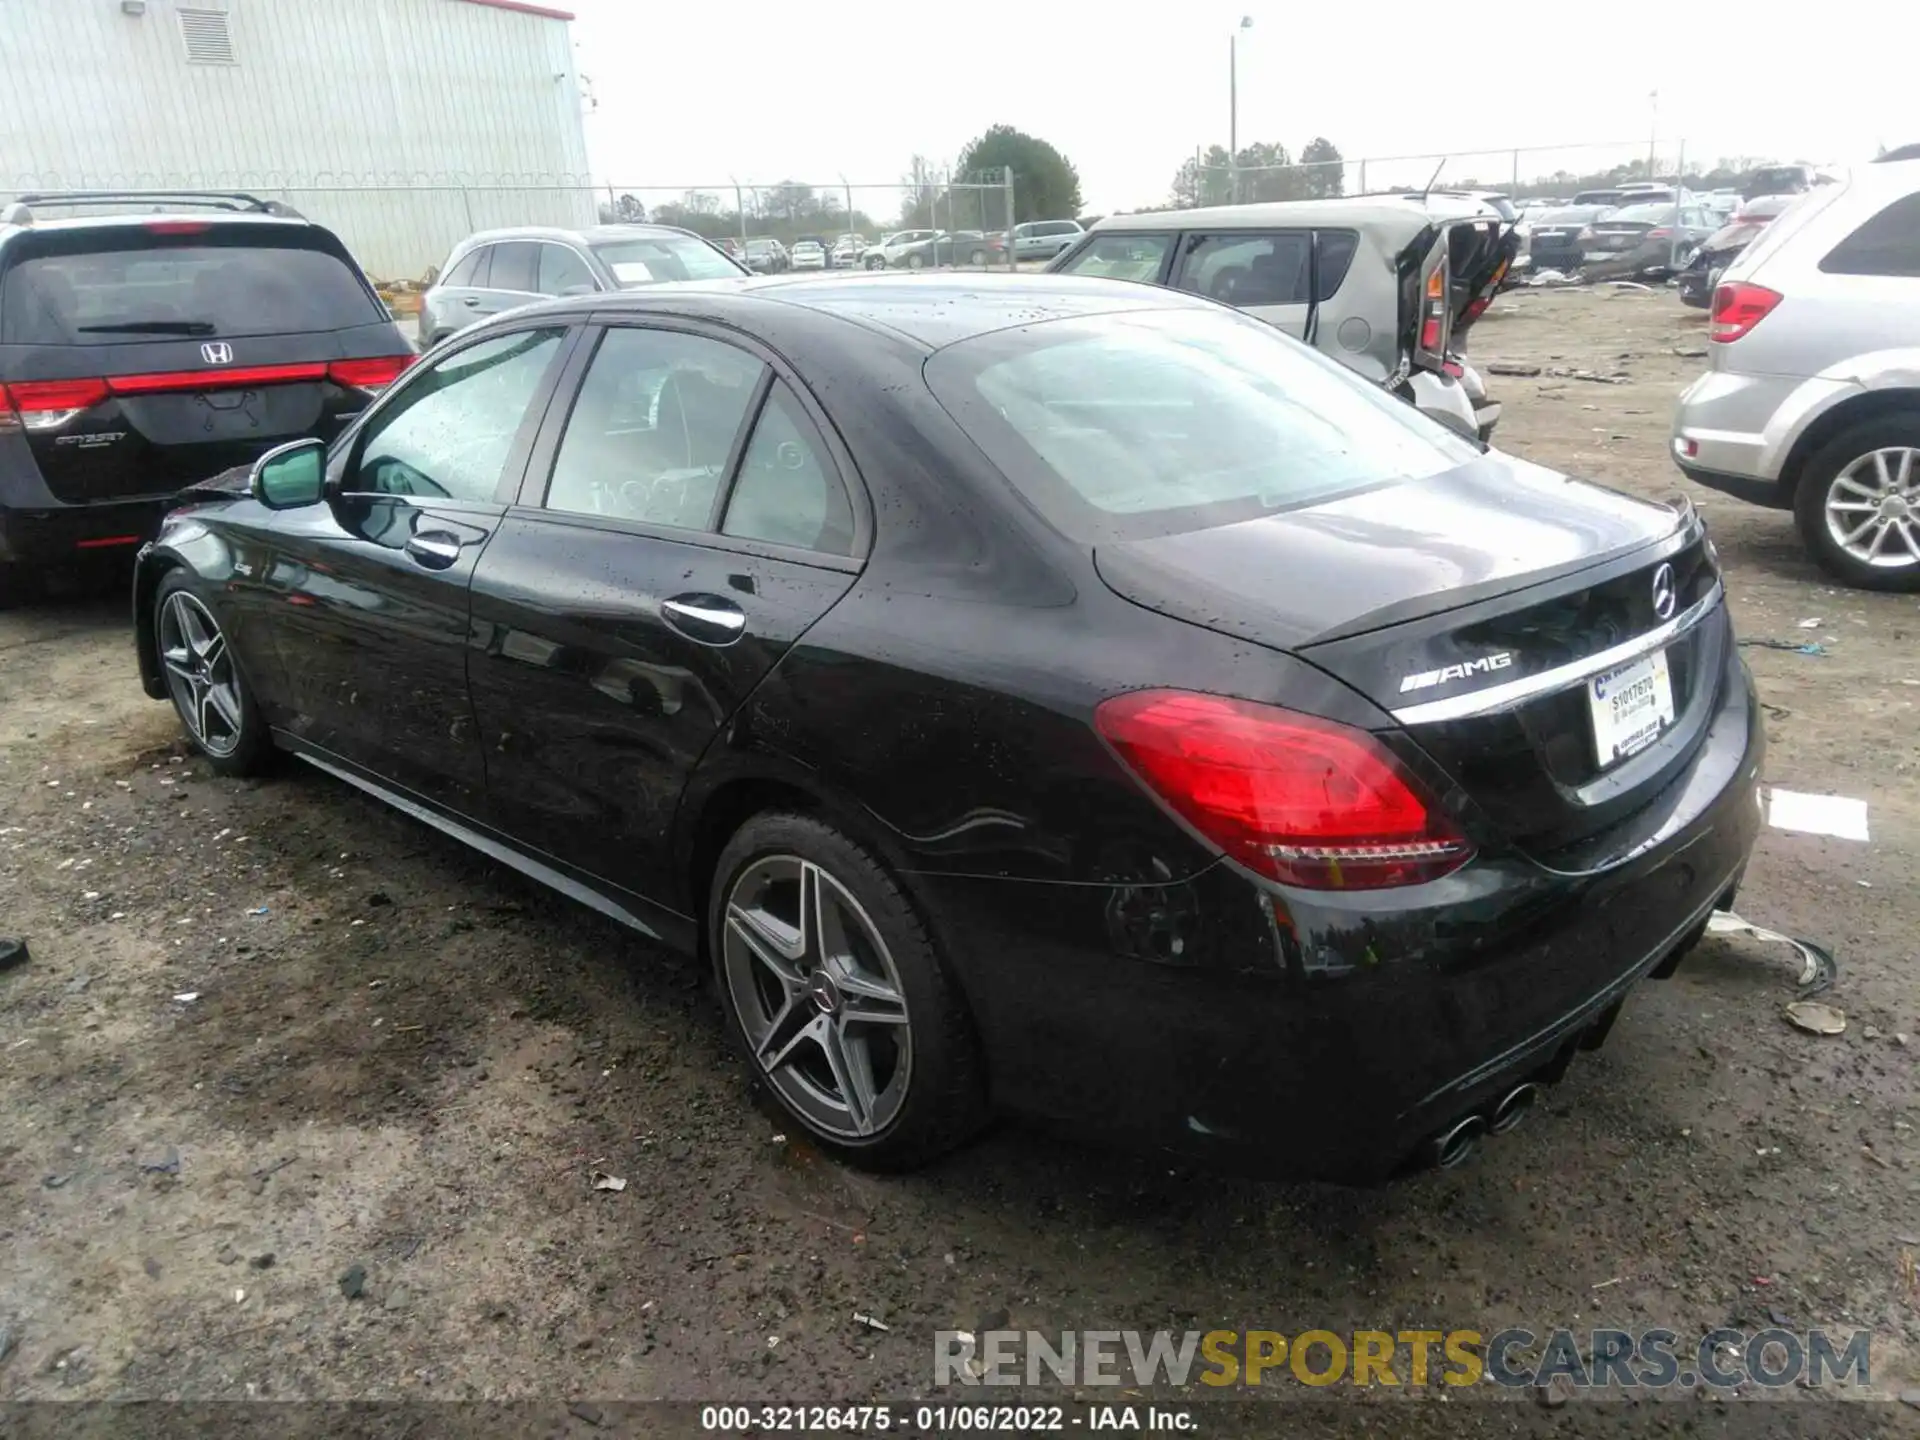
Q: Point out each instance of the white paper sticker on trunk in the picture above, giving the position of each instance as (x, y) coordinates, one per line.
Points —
(1834, 815)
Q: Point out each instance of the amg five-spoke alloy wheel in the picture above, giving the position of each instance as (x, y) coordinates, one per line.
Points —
(834, 991)
(203, 677)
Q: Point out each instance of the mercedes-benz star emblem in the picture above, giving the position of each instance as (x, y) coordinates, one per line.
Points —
(1663, 592)
(217, 352)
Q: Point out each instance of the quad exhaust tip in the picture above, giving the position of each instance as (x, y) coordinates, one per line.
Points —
(1451, 1147)
(1512, 1108)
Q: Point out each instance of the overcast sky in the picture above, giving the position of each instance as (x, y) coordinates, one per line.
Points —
(691, 93)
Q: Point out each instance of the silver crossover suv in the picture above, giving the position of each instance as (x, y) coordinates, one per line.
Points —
(498, 270)
(1813, 399)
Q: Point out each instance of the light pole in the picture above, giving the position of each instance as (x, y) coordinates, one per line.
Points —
(1653, 131)
(1233, 109)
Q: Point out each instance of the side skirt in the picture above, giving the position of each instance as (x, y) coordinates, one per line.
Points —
(655, 922)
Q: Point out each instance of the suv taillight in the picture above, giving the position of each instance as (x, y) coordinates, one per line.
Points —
(1431, 332)
(1301, 800)
(371, 375)
(47, 404)
(1738, 307)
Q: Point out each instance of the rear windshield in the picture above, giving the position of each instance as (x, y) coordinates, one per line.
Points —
(652, 259)
(1154, 422)
(121, 292)
(1570, 214)
(1643, 214)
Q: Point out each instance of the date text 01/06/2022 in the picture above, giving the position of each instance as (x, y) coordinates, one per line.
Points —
(942, 1419)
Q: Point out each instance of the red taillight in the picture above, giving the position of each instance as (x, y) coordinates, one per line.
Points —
(104, 542)
(372, 375)
(1304, 801)
(1432, 334)
(1659, 234)
(47, 404)
(1478, 308)
(233, 377)
(1738, 307)
(178, 227)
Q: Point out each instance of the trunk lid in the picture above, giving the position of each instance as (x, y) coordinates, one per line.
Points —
(1475, 608)
(140, 358)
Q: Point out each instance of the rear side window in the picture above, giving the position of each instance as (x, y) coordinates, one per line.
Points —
(470, 270)
(1271, 269)
(1122, 257)
(114, 294)
(1888, 244)
(516, 267)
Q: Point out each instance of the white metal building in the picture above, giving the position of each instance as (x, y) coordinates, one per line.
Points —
(401, 124)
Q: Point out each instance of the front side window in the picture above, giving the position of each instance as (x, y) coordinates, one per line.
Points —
(653, 429)
(1153, 422)
(563, 272)
(787, 492)
(1122, 257)
(1888, 244)
(448, 433)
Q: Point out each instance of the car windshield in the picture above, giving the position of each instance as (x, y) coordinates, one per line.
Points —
(655, 258)
(1152, 422)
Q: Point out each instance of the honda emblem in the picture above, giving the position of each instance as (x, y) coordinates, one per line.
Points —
(217, 352)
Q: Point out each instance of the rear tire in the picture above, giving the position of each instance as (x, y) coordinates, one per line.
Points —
(1861, 487)
(849, 1019)
(202, 674)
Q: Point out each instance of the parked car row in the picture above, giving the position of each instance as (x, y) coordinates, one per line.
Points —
(925, 249)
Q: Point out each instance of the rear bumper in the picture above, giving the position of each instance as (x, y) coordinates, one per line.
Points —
(1329, 1036)
(68, 534)
(1743, 426)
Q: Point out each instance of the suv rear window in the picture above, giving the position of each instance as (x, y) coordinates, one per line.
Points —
(123, 287)
(1888, 244)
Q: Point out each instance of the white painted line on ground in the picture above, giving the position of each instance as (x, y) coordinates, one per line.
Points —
(1834, 815)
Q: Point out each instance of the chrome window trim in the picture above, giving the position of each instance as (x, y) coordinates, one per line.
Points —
(1561, 677)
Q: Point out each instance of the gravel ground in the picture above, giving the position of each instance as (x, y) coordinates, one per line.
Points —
(277, 1043)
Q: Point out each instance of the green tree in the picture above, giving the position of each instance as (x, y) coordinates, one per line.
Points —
(1201, 180)
(1325, 174)
(1266, 173)
(1045, 184)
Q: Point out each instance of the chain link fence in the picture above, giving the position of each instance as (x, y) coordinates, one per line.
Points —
(401, 227)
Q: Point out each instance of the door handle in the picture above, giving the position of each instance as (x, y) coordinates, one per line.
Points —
(708, 619)
(470, 301)
(435, 549)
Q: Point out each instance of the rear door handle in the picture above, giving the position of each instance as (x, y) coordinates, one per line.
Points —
(435, 549)
(707, 619)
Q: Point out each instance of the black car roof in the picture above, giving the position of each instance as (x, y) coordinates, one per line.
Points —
(935, 311)
(226, 220)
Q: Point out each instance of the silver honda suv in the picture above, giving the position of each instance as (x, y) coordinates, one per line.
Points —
(1812, 401)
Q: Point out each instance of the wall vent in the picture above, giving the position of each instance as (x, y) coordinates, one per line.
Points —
(204, 28)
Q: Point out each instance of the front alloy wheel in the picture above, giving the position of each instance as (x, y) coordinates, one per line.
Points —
(818, 997)
(201, 676)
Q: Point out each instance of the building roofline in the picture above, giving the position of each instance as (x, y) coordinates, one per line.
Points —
(545, 12)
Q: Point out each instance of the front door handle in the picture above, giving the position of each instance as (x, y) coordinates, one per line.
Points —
(707, 619)
(470, 300)
(435, 549)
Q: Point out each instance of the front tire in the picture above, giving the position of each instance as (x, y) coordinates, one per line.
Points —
(202, 674)
(1858, 504)
(836, 995)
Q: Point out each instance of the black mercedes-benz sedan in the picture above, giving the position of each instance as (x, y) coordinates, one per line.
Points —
(1028, 693)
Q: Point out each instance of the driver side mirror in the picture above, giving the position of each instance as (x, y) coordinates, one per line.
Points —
(291, 475)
